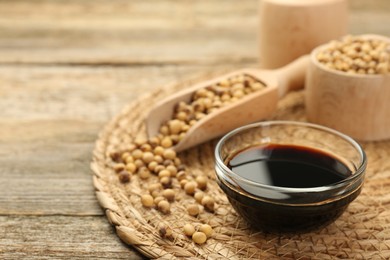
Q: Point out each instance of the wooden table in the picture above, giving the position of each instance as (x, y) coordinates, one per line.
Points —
(67, 67)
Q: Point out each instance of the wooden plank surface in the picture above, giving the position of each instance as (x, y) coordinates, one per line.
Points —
(67, 67)
(129, 32)
(60, 237)
(143, 32)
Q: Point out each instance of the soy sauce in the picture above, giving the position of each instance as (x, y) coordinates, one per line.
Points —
(288, 166)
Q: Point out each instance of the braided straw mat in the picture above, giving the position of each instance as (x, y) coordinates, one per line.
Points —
(362, 232)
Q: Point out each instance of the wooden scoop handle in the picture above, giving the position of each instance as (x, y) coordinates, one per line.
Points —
(292, 76)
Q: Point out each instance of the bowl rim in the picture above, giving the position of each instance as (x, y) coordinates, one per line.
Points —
(358, 173)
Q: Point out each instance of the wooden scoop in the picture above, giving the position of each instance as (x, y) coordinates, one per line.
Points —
(251, 108)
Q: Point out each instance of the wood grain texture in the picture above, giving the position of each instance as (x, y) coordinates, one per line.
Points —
(144, 32)
(67, 67)
(60, 237)
(88, 93)
(129, 32)
(47, 179)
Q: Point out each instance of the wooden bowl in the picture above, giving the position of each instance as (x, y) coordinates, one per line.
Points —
(357, 105)
(289, 29)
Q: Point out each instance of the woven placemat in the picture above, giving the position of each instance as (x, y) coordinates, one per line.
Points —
(362, 232)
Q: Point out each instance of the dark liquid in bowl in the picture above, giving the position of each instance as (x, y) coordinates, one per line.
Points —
(287, 166)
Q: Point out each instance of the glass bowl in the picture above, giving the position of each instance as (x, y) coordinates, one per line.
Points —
(290, 208)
